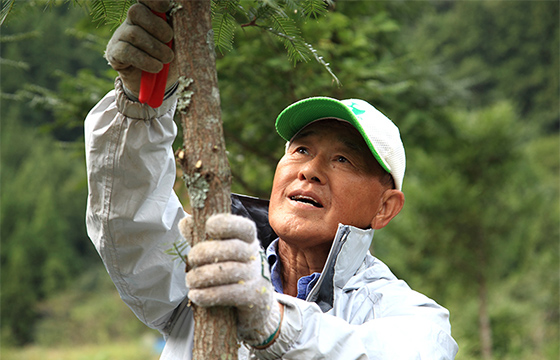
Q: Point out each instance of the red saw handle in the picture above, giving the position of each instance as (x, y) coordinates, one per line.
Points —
(152, 86)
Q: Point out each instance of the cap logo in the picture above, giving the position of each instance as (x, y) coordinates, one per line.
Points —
(355, 109)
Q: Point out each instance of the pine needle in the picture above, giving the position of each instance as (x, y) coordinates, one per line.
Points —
(5, 9)
(223, 23)
(110, 12)
(314, 8)
(178, 251)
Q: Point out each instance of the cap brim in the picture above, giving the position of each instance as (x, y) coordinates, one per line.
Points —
(298, 115)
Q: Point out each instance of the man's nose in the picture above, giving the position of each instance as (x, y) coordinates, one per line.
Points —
(313, 171)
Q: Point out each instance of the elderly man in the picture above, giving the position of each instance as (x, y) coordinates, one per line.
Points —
(317, 293)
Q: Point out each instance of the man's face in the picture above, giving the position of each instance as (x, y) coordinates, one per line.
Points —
(327, 176)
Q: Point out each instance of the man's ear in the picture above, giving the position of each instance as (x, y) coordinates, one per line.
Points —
(392, 203)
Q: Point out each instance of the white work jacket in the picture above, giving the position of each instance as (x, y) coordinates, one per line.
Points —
(357, 310)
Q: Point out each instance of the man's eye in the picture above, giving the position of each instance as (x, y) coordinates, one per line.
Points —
(342, 159)
(302, 150)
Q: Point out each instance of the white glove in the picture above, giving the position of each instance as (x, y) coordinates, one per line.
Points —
(139, 43)
(230, 269)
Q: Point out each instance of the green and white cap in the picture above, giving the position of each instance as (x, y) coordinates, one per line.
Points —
(380, 134)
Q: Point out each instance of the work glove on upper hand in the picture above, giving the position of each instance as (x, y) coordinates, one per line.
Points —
(140, 43)
(230, 269)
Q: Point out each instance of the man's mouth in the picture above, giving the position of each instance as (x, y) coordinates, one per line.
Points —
(306, 200)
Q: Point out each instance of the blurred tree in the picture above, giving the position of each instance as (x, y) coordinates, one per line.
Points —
(88, 312)
(491, 51)
(480, 218)
(500, 50)
(51, 66)
(43, 240)
(50, 80)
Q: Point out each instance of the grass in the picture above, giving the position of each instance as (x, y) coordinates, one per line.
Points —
(120, 350)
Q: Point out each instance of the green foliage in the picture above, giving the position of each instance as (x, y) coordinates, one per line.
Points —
(70, 103)
(473, 87)
(90, 312)
(275, 17)
(8, 8)
(43, 240)
(479, 214)
(518, 58)
(111, 13)
(135, 349)
(223, 23)
(473, 183)
(5, 9)
(314, 8)
(51, 71)
(50, 80)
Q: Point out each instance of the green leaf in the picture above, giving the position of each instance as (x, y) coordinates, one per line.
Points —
(179, 251)
(286, 28)
(110, 12)
(223, 23)
(5, 8)
(272, 17)
(271, 12)
(314, 8)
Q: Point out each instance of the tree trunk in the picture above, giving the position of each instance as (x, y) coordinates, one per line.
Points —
(484, 322)
(484, 326)
(205, 166)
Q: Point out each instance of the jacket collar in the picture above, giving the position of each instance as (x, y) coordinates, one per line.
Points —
(348, 251)
(347, 254)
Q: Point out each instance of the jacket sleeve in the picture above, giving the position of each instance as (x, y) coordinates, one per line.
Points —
(308, 333)
(132, 210)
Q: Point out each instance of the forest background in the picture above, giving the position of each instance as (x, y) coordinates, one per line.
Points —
(473, 86)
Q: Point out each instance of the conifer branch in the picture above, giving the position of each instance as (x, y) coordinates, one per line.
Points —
(110, 12)
(5, 10)
(223, 23)
(272, 13)
(178, 251)
(303, 48)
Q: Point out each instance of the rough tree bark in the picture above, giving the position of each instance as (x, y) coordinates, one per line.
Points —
(205, 166)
